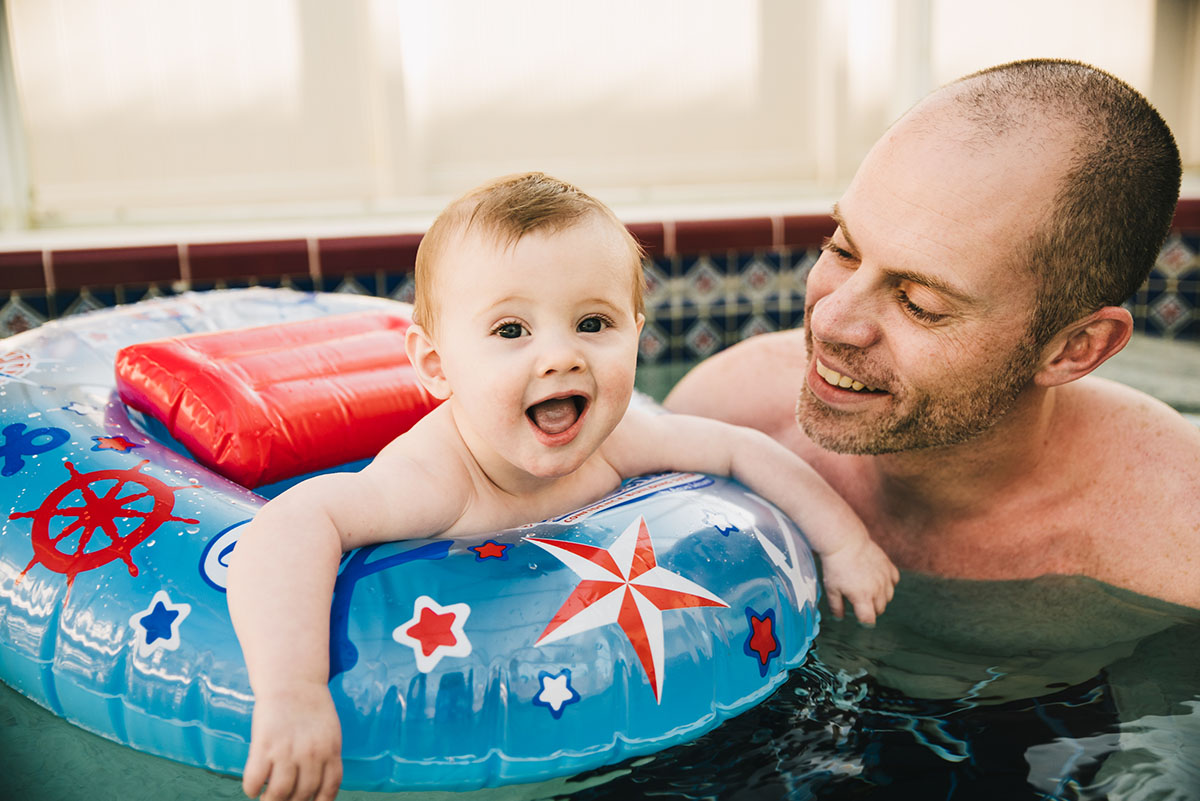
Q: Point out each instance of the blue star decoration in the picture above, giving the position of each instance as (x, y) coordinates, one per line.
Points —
(156, 627)
(556, 692)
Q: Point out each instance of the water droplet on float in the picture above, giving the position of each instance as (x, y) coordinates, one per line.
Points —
(533, 565)
(193, 531)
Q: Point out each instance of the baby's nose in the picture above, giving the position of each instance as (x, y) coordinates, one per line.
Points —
(559, 355)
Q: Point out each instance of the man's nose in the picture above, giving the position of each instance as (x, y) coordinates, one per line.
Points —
(844, 308)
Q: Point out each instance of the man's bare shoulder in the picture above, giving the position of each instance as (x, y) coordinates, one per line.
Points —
(754, 383)
(1122, 422)
(1143, 487)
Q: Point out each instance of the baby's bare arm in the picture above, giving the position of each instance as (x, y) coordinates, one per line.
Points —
(281, 582)
(853, 564)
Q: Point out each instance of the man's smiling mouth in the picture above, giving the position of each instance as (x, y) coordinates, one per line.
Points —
(556, 415)
(834, 378)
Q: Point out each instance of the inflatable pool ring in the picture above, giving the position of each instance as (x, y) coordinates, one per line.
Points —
(636, 623)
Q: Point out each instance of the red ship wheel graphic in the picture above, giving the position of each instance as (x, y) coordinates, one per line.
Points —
(123, 506)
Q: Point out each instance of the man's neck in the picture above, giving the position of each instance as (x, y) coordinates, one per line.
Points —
(931, 486)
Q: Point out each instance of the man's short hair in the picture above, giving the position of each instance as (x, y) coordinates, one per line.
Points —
(1114, 207)
(507, 209)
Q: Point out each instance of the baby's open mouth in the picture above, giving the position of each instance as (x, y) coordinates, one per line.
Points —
(556, 415)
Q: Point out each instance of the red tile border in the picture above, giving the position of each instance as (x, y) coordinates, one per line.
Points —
(807, 230)
(22, 270)
(708, 236)
(368, 254)
(102, 267)
(216, 261)
(652, 237)
(1187, 215)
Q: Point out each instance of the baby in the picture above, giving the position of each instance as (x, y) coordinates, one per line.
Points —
(528, 311)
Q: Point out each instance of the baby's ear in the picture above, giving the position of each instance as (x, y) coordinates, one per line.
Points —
(424, 357)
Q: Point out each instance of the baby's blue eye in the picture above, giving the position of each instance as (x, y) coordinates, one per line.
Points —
(509, 330)
(591, 325)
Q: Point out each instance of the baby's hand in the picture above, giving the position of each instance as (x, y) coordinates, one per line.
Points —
(863, 575)
(295, 746)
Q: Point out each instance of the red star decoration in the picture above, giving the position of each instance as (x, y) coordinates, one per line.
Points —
(762, 640)
(623, 584)
(117, 443)
(489, 550)
(433, 630)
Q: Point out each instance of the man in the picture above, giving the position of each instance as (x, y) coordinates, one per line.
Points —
(941, 382)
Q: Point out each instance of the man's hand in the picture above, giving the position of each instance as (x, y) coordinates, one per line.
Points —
(295, 746)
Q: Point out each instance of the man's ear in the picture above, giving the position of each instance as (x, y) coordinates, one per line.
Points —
(424, 357)
(1084, 345)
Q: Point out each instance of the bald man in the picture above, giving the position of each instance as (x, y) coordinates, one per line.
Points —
(941, 380)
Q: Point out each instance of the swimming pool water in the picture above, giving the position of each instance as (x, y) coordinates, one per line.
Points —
(1052, 688)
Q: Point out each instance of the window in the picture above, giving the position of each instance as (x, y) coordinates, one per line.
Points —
(152, 111)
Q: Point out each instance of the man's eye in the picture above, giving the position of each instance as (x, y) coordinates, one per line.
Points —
(839, 252)
(592, 325)
(917, 311)
(509, 330)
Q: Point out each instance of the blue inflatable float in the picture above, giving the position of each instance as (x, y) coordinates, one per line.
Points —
(636, 623)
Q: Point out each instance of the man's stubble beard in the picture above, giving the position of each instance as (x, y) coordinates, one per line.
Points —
(931, 421)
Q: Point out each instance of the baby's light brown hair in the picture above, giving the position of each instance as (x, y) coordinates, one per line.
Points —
(506, 209)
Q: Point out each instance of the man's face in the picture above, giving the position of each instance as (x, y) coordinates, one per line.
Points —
(916, 316)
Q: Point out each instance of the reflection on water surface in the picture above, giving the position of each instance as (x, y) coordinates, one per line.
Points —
(1053, 688)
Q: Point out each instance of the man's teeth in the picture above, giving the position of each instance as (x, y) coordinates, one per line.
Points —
(839, 380)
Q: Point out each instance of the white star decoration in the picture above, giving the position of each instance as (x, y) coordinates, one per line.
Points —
(557, 692)
(157, 626)
(434, 631)
(622, 584)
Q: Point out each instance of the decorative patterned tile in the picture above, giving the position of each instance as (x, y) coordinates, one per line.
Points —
(757, 324)
(1176, 258)
(405, 289)
(18, 316)
(704, 281)
(352, 287)
(84, 302)
(759, 276)
(653, 344)
(657, 285)
(703, 339)
(1170, 312)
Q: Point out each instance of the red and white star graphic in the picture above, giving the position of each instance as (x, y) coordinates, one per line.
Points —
(434, 631)
(623, 584)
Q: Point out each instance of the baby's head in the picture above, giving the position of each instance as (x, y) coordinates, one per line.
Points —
(503, 211)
